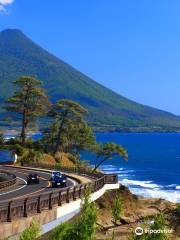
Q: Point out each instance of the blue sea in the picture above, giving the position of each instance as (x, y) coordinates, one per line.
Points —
(6, 156)
(153, 167)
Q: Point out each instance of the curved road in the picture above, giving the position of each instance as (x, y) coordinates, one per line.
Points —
(21, 189)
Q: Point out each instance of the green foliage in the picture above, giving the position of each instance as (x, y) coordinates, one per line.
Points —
(28, 102)
(116, 208)
(1, 139)
(177, 210)
(19, 56)
(32, 156)
(31, 233)
(159, 224)
(20, 150)
(69, 132)
(78, 137)
(107, 151)
(13, 141)
(83, 229)
(61, 231)
(25, 154)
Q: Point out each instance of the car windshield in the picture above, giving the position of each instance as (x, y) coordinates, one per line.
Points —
(32, 175)
(58, 174)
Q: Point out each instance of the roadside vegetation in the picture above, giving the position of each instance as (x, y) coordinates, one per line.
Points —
(86, 225)
(84, 228)
(33, 232)
(155, 230)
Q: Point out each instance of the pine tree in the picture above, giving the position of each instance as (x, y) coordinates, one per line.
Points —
(28, 102)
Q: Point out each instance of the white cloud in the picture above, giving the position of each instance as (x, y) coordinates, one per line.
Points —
(4, 3)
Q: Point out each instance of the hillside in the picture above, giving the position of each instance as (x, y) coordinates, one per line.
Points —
(19, 55)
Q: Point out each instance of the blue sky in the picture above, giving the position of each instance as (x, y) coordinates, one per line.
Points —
(130, 46)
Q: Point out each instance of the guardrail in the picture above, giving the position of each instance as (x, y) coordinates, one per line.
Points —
(34, 204)
(77, 170)
(9, 182)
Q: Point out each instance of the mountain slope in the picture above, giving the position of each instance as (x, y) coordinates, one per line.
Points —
(20, 56)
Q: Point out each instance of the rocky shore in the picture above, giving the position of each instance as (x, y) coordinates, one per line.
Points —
(135, 211)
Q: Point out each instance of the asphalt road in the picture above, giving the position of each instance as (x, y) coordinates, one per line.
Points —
(21, 189)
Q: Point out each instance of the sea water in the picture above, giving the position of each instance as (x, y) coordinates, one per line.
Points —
(153, 166)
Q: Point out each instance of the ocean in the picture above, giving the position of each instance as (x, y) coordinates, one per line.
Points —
(153, 166)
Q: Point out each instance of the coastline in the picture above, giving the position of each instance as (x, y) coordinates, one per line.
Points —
(110, 129)
(144, 189)
(135, 211)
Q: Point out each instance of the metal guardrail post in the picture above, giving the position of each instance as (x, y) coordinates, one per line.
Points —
(80, 191)
(25, 208)
(39, 204)
(85, 187)
(74, 193)
(50, 201)
(67, 196)
(59, 199)
(9, 212)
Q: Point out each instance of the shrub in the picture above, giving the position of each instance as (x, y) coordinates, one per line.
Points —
(33, 156)
(159, 224)
(1, 138)
(13, 141)
(33, 232)
(116, 208)
(83, 229)
(60, 232)
(19, 149)
(178, 209)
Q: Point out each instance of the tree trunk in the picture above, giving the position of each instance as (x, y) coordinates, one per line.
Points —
(59, 137)
(98, 164)
(23, 130)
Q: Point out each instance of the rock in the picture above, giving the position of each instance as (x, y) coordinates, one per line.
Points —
(126, 220)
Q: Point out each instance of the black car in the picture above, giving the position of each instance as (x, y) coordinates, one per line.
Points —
(32, 178)
(58, 180)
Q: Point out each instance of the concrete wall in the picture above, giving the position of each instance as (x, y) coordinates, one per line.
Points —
(51, 218)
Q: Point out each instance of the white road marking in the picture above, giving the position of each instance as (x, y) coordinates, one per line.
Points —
(73, 181)
(16, 188)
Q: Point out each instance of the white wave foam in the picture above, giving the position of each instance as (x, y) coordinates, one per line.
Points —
(110, 169)
(107, 165)
(170, 195)
(123, 175)
(145, 184)
(172, 185)
(121, 169)
(178, 187)
(127, 171)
